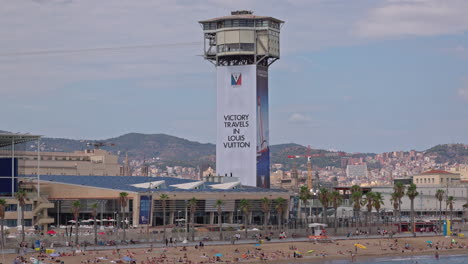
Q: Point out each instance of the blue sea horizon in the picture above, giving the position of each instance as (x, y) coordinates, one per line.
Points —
(418, 259)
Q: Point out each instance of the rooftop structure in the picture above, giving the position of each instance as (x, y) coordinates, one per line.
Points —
(241, 39)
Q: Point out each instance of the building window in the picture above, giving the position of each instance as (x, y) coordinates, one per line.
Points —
(432, 180)
(11, 208)
(28, 207)
(441, 180)
(11, 222)
(27, 222)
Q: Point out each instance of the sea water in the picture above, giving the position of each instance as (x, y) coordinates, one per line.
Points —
(423, 259)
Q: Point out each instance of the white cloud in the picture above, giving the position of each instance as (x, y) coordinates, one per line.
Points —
(415, 17)
(299, 118)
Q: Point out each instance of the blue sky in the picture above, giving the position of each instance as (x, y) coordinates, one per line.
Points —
(360, 76)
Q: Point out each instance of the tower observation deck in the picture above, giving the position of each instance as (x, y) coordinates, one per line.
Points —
(242, 46)
(242, 39)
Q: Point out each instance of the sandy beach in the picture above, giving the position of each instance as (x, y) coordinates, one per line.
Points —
(306, 252)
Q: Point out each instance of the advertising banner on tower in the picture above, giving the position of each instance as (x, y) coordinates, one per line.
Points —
(263, 140)
(237, 102)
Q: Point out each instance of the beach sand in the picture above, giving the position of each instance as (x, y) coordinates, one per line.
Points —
(272, 252)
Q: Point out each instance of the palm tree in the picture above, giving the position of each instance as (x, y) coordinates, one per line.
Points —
(412, 193)
(164, 197)
(280, 206)
(304, 196)
(395, 203)
(219, 206)
(94, 207)
(266, 205)
(378, 202)
(399, 189)
(369, 203)
(450, 201)
(336, 199)
(440, 196)
(123, 200)
(356, 198)
(245, 207)
(21, 196)
(324, 198)
(2, 217)
(76, 207)
(193, 208)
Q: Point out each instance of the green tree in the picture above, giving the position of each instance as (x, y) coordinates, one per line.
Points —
(378, 202)
(2, 217)
(164, 197)
(245, 207)
(94, 207)
(395, 202)
(304, 196)
(21, 196)
(266, 206)
(280, 206)
(369, 203)
(412, 193)
(193, 209)
(123, 200)
(336, 199)
(76, 208)
(324, 198)
(439, 195)
(399, 190)
(450, 201)
(356, 198)
(219, 207)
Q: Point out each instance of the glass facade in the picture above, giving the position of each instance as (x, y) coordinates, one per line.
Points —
(229, 23)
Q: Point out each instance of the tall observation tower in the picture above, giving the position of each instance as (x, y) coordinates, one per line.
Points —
(242, 46)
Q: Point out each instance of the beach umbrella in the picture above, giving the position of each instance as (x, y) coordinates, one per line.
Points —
(101, 233)
(360, 246)
(257, 245)
(51, 232)
(429, 242)
(218, 255)
(311, 251)
(72, 221)
(55, 255)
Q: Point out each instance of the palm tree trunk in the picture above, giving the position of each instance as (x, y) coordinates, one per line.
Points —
(220, 226)
(399, 216)
(76, 231)
(265, 222)
(164, 222)
(123, 223)
(440, 216)
(95, 231)
(246, 222)
(279, 221)
(22, 224)
(412, 217)
(193, 223)
(2, 233)
(336, 209)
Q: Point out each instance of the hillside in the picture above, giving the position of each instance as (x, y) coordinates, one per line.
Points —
(166, 150)
(449, 153)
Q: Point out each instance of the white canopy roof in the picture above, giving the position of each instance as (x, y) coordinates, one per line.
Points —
(188, 186)
(226, 186)
(147, 185)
